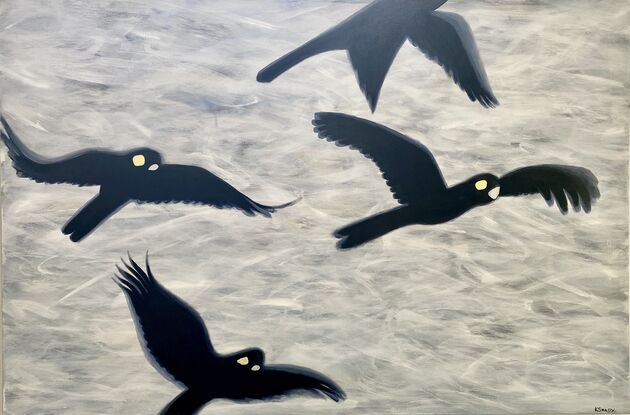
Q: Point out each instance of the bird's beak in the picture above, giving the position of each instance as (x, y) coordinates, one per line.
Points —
(494, 193)
(153, 167)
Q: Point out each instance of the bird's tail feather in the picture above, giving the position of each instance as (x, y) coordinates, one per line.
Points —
(322, 43)
(91, 215)
(370, 228)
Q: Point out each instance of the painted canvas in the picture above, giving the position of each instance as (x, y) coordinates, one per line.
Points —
(315, 206)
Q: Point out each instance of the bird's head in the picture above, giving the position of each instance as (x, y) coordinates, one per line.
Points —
(483, 188)
(145, 159)
(248, 360)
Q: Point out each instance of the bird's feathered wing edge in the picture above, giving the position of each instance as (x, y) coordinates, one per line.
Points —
(297, 379)
(554, 182)
(273, 208)
(173, 335)
(83, 168)
(26, 163)
(177, 183)
(408, 167)
(446, 38)
(15, 146)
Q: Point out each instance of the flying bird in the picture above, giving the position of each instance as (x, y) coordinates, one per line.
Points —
(373, 36)
(176, 342)
(416, 181)
(137, 175)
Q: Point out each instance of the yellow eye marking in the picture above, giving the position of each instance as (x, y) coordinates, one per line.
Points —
(481, 185)
(138, 160)
(243, 361)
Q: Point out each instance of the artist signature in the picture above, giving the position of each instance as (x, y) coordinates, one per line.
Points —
(599, 409)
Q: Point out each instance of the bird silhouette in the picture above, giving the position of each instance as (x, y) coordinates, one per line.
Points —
(176, 342)
(137, 175)
(374, 35)
(417, 184)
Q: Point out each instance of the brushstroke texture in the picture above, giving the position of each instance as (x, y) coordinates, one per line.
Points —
(506, 310)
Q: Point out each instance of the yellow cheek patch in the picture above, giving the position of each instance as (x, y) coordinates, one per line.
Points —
(138, 160)
(243, 361)
(481, 185)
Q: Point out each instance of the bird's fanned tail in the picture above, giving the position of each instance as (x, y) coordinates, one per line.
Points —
(370, 228)
(91, 215)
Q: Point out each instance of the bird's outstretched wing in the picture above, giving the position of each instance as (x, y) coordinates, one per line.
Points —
(173, 335)
(87, 168)
(172, 183)
(554, 182)
(372, 38)
(408, 167)
(281, 380)
(446, 39)
(189, 402)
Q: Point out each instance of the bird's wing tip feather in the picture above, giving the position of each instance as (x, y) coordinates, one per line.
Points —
(321, 115)
(317, 118)
(331, 390)
(133, 275)
(4, 121)
(487, 100)
(336, 395)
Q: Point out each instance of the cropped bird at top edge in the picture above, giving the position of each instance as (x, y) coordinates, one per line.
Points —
(373, 36)
(176, 342)
(416, 181)
(137, 175)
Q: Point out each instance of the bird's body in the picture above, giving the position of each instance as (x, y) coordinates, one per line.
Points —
(373, 36)
(440, 208)
(176, 342)
(434, 210)
(137, 175)
(417, 183)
